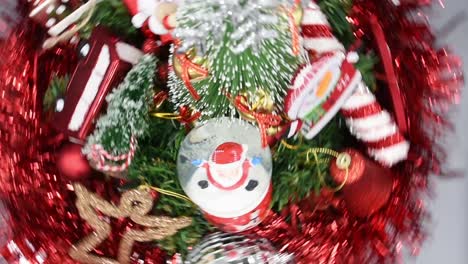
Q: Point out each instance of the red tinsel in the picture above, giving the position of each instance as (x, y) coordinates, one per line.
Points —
(43, 216)
(429, 80)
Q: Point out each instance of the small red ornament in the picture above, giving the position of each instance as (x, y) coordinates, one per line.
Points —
(367, 187)
(71, 163)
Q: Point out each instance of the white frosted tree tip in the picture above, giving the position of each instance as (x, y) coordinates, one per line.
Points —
(352, 57)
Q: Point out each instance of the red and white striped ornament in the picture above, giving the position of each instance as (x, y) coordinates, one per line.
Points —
(317, 33)
(101, 158)
(366, 119)
(374, 126)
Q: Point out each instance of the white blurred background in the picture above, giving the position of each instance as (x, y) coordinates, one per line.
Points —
(448, 240)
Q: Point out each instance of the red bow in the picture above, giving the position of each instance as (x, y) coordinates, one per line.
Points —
(264, 120)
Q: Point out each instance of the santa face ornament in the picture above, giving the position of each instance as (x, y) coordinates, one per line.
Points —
(319, 90)
(226, 172)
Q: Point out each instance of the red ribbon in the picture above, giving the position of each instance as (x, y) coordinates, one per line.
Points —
(315, 31)
(187, 64)
(187, 116)
(264, 120)
(294, 32)
(387, 61)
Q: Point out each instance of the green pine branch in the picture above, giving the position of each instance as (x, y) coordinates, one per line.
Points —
(113, 14)
(366, 66)
(56, 89)
(155, 162)
(336, 12)
(294, 177)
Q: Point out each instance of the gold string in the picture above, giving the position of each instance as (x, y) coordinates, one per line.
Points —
(166, 192)
(319, 172)
(289, 146)
(146, 186)
(170, 116)
(329, 152)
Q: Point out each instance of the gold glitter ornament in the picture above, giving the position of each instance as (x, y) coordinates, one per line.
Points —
(258, 102)
(298, 14)
(134, 204)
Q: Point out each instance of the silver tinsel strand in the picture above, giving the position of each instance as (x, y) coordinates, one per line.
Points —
(222, 248)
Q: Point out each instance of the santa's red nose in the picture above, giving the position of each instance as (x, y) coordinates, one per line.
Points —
(227, 153)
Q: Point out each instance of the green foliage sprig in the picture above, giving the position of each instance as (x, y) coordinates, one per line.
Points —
(113, 14)
(155, 161)
(56, 89)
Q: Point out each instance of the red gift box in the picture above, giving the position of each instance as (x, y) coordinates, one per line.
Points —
(106, 62)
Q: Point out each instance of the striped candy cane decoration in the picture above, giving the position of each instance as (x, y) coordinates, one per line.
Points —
(374, 126)
(317, 34)
(364, 116)
(100, 156)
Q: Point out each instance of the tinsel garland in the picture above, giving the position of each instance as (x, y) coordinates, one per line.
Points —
(26, 167)
(43, 219)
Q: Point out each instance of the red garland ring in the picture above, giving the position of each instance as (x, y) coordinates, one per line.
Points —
(45, 222)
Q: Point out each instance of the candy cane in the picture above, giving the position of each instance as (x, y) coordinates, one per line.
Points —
(365, 118)
(317, 34)
(99, 155)
(368, 122)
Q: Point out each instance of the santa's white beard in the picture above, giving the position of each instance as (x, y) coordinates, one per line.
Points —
(226, 176)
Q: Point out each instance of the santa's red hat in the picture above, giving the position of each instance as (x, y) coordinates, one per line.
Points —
(132, 6)
(228, 152)
(226, 165)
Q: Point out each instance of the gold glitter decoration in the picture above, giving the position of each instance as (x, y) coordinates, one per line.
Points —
(261, 103)
(134, 204)
(298, 14)
(193, 74)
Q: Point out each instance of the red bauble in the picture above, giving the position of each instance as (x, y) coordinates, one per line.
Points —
(71, 163)
(368, 185)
